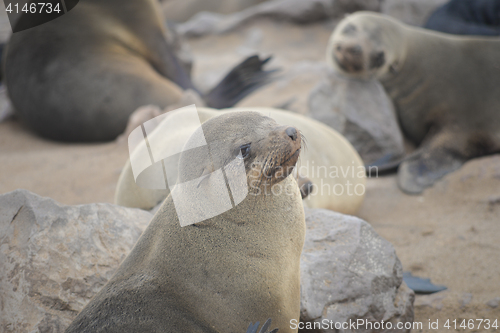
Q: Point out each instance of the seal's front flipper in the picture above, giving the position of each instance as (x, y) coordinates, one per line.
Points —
(241, 81)
(305, 185)
(424, 168)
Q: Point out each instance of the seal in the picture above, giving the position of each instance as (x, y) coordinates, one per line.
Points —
(329, 163)
(467, 17)
(446, 89)
(80, 76)
(223, 273)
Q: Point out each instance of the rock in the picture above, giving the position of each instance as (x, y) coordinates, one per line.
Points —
(494, 303)
(434, 301)
(362, 112)
(54, 258)
(182, 10)
(414, 12)
(298, 11)
(348, 272)
(466, 299)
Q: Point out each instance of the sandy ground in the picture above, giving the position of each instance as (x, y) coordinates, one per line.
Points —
(450, 234)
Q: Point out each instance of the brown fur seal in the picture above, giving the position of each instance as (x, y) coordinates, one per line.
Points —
(329, 162)
(223, 273)
(446, 89)
(80, 76)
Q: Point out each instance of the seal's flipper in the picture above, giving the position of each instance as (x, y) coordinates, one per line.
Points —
(383, 166)
(305, 185)
(427, 166)
(241, 81)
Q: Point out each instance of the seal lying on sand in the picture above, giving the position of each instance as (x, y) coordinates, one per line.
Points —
(467, 17)
(225, 272)
(446, 89)
(80, 76)
(329, 162)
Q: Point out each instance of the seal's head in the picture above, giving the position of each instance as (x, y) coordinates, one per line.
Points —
(366, 45)
(267, 151)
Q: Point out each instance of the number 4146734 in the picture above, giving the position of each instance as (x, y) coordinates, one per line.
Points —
(471, 324)
(34, 8)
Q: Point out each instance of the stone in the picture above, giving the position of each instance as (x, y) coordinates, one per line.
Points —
(55, 258)
(362, 112)
(494, 303)
(349, 272)
(414, 12)
(433, 301)
(298, 11)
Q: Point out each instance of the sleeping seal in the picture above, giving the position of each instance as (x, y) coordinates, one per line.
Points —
(329, 162)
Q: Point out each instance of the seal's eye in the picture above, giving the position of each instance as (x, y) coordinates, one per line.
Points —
(245, 150)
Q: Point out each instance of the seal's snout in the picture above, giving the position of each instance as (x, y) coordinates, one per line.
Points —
(292, 133)
(349, 57)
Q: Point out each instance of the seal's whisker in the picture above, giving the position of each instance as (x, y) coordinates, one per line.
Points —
(304, 140)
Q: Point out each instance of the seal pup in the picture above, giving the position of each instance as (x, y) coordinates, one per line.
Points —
(330, 169)
(80, 76)
(446, 89)
(220, 274)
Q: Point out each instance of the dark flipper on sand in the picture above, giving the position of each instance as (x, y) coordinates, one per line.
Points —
(424, 168)
(240, 82)
(383, 166)
(420, 285)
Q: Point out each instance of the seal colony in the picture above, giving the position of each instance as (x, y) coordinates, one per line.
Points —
(80, 76)
(326, 152)
(446, 89)
(223, 273)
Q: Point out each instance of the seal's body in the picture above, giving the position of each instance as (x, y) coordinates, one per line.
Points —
(446, 89)
(80, 76)
(467, 17)
(221, 274)
(329, 162)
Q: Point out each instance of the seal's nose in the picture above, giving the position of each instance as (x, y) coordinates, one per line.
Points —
(292, 133)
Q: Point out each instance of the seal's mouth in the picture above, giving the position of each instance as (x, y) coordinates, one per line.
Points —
(349, 59)
(294, 157)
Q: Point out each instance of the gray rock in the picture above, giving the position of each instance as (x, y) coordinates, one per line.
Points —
(494, 303)
(414, 12)
(362, 112)
(54, 258)
(466, 299)
(298, 11)
(348, 272)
